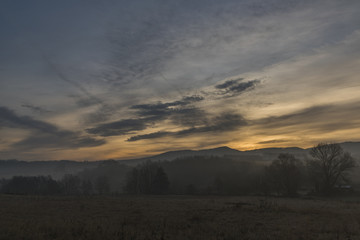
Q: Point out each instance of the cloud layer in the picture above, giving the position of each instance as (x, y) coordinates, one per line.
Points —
(119, 79)
(44, 135)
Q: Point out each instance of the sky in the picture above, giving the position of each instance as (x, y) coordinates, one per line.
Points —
(105, 79)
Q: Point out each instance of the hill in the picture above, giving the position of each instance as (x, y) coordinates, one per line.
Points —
(259, 154)
(57, 169)
(262, 154)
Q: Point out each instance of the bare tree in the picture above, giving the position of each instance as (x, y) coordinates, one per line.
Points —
(284, 174)
(329, 166)
(147, 178)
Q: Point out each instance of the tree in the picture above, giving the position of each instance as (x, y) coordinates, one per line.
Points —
(132, 184)
(329, 166)
(285, 174)
(147, 178)
(191, 189)
(218, 186)
(161, 182)
(86, 187)
(102, 185)
(70, 184)
(39, 185)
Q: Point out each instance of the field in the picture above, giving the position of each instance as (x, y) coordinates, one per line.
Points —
(176, 217)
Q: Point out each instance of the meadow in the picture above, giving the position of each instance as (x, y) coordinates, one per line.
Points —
(176, 217)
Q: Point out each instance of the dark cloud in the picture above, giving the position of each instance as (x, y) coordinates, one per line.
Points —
(44, 135)
(312, 114)
(36, 109)
(177, 111)
(149, 117)
(166, 110)
(235, 87)
(101, 114)
(241, 87)
(325, 118)
(63, 139)
(159, 134)
(160, 107)
(189, 117)
(224, 123)
(273, 141)
(149, 114)
(122, 127)
(86, 102)
(8, 118)
(229, 83)
(180, 117)
(194, 98)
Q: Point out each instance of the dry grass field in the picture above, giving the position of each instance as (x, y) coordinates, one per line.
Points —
(176, 217)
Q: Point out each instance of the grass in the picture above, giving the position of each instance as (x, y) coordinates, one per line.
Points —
(176, 217)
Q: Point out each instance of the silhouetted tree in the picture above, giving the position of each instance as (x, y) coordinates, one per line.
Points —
(284, 174)
(40, 185)
(160, 184)
(147, 178)
(132, 184)
(191, 189)
(102, 185)
(70, 184)
(218, 186)
(87, 187)
(329, 166)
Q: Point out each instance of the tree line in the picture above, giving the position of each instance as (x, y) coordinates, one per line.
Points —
(325, 173)
(45, 185)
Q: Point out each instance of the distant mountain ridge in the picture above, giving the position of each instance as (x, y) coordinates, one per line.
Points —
(57, 169)
(265, 153)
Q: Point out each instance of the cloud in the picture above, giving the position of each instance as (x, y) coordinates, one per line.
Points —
(36, 109)
(148, 51)
(235, 87)
(219, 124)
(44, 135)
(122, 127)
(54, 68)
(222, 123)
(101, 114)
(165, 110)
(241, 87)
(85, 102)
(145, 109)
(189, 117)
(9, 119)
(273, 141)
(182, 117)
(229, 83)
(86, 98)
(159, 134)
(60, 140)
(150, 114)
(316, 119)
(311, 114)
